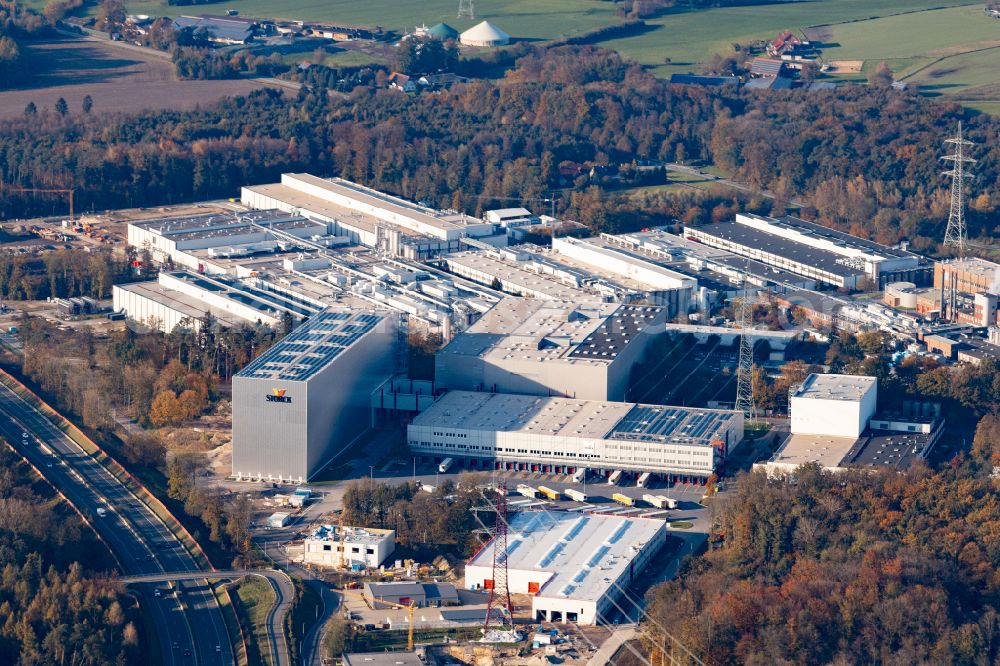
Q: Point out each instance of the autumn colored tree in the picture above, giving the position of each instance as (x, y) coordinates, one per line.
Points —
(166, 409)
(862, 567)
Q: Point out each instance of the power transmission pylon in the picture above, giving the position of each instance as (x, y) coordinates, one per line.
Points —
(955, 234)
(466, 9)
(744, 373)
(499, 611)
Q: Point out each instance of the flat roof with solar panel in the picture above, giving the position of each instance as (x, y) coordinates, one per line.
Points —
(571, 417)
(312, 346)
(657, 423)
(568, 331)
(611, 336)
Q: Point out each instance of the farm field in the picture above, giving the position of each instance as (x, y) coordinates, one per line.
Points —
(116, 80)
(524, 19)
(952, 52)
(689, 38)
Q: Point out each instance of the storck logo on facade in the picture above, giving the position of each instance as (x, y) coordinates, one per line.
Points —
(278, 395)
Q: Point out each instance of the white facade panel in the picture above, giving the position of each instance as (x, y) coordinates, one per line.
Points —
(833, 405)
(573, 565)
(370, 552)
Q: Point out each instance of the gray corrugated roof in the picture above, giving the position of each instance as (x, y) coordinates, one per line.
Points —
(766, 67)
(220, 28)
(463, 614)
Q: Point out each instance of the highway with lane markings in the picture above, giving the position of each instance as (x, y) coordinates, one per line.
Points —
(190, 627)
(280, 583)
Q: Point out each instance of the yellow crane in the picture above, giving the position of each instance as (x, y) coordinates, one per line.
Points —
(409, 613)
(48, 190)
(340, 532)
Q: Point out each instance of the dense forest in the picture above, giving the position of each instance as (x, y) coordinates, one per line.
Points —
(57, 605)
(61, 274)
(856, 568)
(861, 158)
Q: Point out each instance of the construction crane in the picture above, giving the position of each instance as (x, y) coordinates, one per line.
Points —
(340, 533)
(409, 615)
(47, 190)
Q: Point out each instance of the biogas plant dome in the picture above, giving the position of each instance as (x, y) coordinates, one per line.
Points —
(484, 34)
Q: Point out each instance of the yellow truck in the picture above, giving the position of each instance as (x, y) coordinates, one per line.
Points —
(623, 499)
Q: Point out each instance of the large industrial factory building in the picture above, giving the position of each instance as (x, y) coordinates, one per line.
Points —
(579, 350)
(305, 399)
(563, 435)
(575, 567)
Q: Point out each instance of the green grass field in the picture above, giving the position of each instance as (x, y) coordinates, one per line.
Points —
(952, 52)
(254, 598)
(689, 38)
(937, 44)
(525, 19)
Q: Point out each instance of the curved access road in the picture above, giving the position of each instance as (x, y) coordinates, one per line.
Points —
(280, 583)
(311, 649)
(190, 627)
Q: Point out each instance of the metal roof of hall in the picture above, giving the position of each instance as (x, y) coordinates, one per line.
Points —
(583, 554)
(546, 331)
(572, 417)
(312, 346)
(746, 236)
(182, 224)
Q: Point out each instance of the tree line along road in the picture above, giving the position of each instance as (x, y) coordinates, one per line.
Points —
(189, 627)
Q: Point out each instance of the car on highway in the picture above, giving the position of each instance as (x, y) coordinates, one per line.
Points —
(157, 592)
(102, 512)
(25, 436)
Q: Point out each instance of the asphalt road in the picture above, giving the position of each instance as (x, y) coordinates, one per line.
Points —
(280, 583)
(311, 642)
(695, 171)
(190, 627)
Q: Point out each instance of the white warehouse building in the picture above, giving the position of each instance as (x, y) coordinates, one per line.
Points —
(581, 350)
(575, 566)
(363, 546)
(182, 299)
(372, 218)
(226, 234)
(562, 435)
(307, 398)
(833, 405)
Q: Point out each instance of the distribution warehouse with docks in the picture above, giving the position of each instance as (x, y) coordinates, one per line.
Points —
(575, 567)
(563, 435)
(317, 249)
(307, 397)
